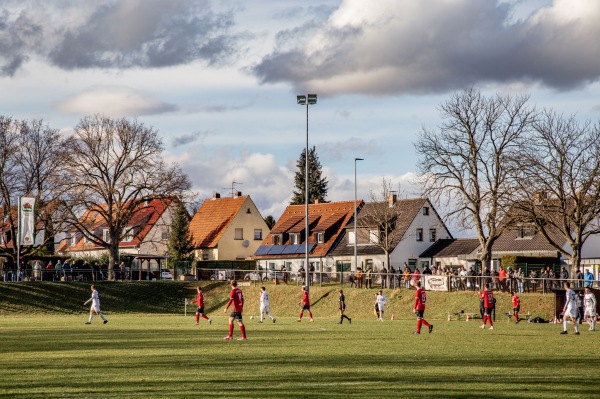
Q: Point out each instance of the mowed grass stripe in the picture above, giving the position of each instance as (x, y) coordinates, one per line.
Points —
(167, 357)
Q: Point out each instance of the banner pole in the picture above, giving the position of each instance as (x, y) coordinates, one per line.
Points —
(19, 242)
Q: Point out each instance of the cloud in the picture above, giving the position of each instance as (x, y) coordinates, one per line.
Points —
(390, 47)
(116, 34)
(187, 138)
(113, 101)
(340, 150)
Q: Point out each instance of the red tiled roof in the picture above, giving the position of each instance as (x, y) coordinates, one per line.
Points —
(213, 218)
(330, 216)
(144, 218)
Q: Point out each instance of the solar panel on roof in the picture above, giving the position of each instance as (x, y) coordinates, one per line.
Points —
(263, 250)
(301, 248)
(277, 249)
(290, 249)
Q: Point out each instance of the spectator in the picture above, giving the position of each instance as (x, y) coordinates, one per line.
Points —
(301, 274)
(416, 276)
(407, 275)
(544, 280)
(359, 277)
(384, 276)
(426, 270)
(37, 271)
(49, 272)
(369, 277)
(393, 277)
(284, 275)
(59, 270)
(471, 279)
(519, 278)
(5, 272)
(588, 278)
(564, 276)
(495, 276)
(533, 275)
(578, 278)
(552, 278)
(311, 274)
(462, 278)
(502, 279)
(67, 270)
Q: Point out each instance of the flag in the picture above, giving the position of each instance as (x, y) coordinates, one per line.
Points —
(26, 221)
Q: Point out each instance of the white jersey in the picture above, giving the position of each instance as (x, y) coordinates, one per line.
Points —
(264, 298)
(589, 301)
(380, 301)
(570, 303)
(95, 300)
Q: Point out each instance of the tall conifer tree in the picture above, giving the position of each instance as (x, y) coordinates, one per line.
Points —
(317, 184)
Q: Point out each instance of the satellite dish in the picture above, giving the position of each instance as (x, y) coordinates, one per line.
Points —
(246, 243)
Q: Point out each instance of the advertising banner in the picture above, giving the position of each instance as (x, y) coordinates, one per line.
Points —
(436, 283)
(26, 221)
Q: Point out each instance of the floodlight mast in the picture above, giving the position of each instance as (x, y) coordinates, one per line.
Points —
(309, 99)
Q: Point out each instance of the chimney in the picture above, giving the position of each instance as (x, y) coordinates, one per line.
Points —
(238, 194)
(216, 195)
(392, 200)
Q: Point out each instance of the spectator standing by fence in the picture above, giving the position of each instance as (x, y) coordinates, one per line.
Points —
(384, 276)
(359, 278)
(407, 274)
(564, 276)
(502, 278)
(369, 277)
(471, 279)
(416, 276)
(578, 278)
(59, 270)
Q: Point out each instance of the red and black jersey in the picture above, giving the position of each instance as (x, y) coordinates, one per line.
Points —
(516, 301)
(237, 299)
(420, 299)
(305, 299)
(488, 299)
(199, 299)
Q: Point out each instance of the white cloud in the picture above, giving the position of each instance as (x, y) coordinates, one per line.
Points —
(113, 101)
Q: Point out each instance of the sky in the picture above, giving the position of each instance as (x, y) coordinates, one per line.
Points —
(218, 79)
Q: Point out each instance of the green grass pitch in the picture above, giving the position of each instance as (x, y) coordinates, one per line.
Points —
(166, 356)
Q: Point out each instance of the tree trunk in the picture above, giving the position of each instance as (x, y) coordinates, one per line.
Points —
(113, 256)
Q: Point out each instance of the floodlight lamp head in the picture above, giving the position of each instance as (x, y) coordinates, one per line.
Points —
(359, 159)
(301, 100)
(312, 98)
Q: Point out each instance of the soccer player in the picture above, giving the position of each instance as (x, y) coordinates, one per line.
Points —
(488, 306)
(200, 310)
(570, 309)
(95, 299)
(264, 305)
(380, 300)
(305, 303)
(343, 308)
(237, 299)
(516, 302)
(589, 301)
(419, 308)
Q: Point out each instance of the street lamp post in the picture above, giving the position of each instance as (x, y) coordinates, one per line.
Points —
(355, 212)
(307, 100)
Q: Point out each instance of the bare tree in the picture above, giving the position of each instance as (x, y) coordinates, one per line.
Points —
(115, 166)
(465, 164)
(559, 177)
(379, 220)
(31, 164)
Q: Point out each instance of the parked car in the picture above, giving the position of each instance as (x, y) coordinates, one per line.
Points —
(220, 275)
(166, 275)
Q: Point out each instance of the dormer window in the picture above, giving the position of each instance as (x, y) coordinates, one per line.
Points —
(127, 234)
(525, 232)
(277, 239)
(74, 239)
(320, 237)
(295, 238)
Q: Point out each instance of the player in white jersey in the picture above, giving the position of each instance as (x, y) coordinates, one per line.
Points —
(570, 309)
(589, 302)
(95, 299)
(264, 305)
(380, 302)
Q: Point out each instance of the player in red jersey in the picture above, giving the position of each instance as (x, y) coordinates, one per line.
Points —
(305, 302)
(237, 299)
(419, 308)
(200, 310)
(488, 305)
(516, 302)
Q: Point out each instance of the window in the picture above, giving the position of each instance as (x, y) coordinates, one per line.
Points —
(164, 235)
(425, 211)
(277, 239)
(204, 256)
(258, 234)
(320, 237)
(419, 234)
(128, 234)
(351, 238)
(239, 234)
(294, 238)
(525, 232)
(432, 235)
(74, 239)
(374, 236)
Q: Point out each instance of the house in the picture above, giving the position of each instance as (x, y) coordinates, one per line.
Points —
(228, 228)
(285, 245)
(413, 226)
(146, 233)
(452, 253)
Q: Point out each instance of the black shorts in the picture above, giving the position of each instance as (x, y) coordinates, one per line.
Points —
(420, 313)
(200, 310)
(236, 316)
(306, 307)
(342, 308)
(487, 311)
(516, 310)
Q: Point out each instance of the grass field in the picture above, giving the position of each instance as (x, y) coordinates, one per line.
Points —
(48, 352)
